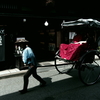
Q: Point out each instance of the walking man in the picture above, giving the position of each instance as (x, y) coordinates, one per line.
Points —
(29, 59)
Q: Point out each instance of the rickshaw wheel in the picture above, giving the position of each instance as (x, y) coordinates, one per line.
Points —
(63, 66)
(89, 68)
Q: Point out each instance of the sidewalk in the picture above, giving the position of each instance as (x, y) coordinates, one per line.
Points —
(16, 71)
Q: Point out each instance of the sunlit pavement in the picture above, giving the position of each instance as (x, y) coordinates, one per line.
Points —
(16, 71)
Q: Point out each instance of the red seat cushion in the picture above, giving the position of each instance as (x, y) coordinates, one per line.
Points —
(72, 51)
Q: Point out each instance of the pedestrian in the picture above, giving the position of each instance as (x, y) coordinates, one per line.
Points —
(29, 59)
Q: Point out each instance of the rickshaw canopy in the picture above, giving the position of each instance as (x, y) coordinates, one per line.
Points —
(88, 22)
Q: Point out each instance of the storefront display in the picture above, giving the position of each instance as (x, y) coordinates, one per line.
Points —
(18, 52)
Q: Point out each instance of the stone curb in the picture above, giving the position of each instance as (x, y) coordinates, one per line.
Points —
(13, 74)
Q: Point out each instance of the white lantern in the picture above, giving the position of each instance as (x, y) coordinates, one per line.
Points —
(46, 23)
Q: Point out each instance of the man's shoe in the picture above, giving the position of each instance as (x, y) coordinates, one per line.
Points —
(23, 91)
(43, 84)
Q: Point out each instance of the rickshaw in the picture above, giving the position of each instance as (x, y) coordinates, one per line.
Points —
(88, 59)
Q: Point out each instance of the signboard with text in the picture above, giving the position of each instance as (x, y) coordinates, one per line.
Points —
(2, 45)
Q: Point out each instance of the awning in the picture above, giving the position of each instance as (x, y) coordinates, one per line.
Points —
(88, 22)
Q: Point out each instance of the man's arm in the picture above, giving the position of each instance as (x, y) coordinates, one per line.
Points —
(24, 56)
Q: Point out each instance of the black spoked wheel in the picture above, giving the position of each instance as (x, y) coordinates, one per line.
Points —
(63, 66)
(89, 69)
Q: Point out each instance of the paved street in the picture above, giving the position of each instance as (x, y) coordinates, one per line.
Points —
(59, 87)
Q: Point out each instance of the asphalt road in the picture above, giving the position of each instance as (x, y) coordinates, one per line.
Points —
(59, 87)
